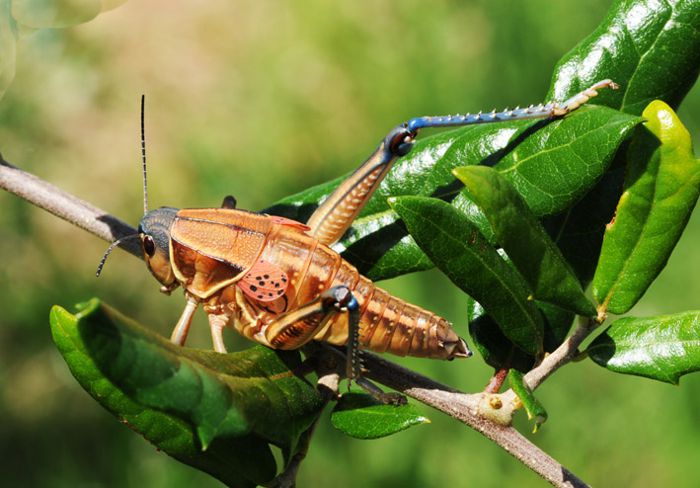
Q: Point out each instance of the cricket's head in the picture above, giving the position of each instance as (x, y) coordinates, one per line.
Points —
(154, 232)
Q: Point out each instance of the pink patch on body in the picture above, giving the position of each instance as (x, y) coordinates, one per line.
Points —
(265, 282)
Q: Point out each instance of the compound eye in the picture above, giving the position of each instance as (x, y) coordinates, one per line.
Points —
(149, 246)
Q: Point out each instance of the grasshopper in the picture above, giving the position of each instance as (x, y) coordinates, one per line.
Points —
(279, 283)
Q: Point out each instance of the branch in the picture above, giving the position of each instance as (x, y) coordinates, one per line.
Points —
(559, 357)
(483, 412)
(470, 410)
(66, 206)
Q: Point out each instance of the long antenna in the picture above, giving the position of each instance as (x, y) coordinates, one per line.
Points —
(143, 156)
(145, 193)
(110, 249)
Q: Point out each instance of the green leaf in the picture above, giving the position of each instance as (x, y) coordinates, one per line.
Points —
(534, 409)
(579, 231)
(551, 163)
(361, 416)
(651, 48)
(557, 323)
(558, 166)
(661, 188)
(662, 348)
(524, 240)
(212, 411)
(497, 351)
(460, 251)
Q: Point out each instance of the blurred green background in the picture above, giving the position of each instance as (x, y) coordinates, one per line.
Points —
(262, 99)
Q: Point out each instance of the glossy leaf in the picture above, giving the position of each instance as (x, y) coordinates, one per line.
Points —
(460, 251)
(534, 409)
(661, 188)
(579, 231)
(662, 348)
(522, 237)
(557, 323)
(215, 412)
(497, 351)
(551, 163)
(361, 416)
(650, 47)
(554, 172)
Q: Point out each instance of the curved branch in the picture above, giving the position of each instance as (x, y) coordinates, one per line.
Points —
(465, 408)
(468, 409)
(562, 355)
(66, 206)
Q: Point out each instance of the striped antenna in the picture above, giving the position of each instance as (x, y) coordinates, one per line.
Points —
(145, 193)
(110, 249)
(143, 156)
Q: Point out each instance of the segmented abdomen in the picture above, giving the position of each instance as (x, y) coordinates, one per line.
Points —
(387, 324)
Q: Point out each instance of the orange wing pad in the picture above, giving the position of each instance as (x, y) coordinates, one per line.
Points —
(212, 248)
(241, 218)
(200, 274)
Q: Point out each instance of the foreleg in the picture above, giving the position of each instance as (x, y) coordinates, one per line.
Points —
(182, 328)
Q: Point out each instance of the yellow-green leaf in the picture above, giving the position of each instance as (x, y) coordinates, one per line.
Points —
(661, 188)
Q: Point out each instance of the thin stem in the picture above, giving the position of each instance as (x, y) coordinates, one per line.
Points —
(288, 477)
(496, 381)
(66, 206)
(327, 367)
(468, 409)
(562, 355)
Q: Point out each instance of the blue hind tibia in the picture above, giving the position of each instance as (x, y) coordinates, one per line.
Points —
(531, 112)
